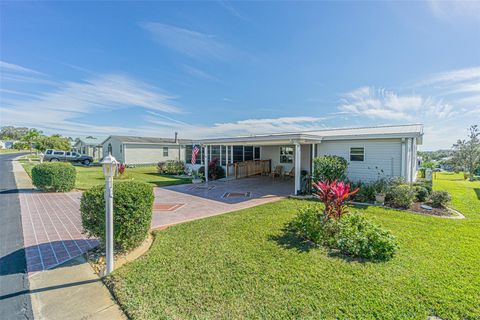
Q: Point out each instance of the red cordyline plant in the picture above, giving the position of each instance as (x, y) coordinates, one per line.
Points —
(334, 195)
(121, 168)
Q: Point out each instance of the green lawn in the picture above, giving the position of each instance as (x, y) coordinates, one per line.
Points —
(91, 176)
(238, 265)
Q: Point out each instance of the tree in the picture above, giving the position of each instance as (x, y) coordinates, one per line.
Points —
(12, 133)
(467, 152)
(32, 135)
(53, 142)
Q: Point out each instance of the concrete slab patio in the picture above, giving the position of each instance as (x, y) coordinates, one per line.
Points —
(197, 201)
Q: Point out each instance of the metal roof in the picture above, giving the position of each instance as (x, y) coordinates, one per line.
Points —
(95, 141)
(375, 132)
(146, 140)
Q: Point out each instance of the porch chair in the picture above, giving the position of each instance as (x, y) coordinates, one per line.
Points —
(277, 172)
(290, 174)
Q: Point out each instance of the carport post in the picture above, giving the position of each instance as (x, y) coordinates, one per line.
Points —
(206, 163)
(298, 163)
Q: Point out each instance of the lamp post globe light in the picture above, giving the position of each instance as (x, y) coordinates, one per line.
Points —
(109, 164)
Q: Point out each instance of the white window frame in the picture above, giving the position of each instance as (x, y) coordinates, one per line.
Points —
(163, 151)
(280, 154)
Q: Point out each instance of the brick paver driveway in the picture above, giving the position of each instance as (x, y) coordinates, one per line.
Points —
(195, 201)
(52, 229)
(52, 225)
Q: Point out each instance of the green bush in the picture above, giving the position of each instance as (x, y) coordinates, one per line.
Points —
(352, 234)
(58, 177)
(366, 192)
(171, 167)
(314, 225)
(439, 199)
(358, 237)
(421, 193)
(329, 168)
(132, 213)
(426, 184)
(400, 196)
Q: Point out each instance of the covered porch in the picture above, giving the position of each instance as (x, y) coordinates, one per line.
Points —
(285, 154)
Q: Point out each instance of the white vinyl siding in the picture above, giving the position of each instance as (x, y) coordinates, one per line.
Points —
(152, 153)
(379, 154)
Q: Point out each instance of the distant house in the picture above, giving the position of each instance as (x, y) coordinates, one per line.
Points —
(7, 144)
(91, 146)
(144, 150)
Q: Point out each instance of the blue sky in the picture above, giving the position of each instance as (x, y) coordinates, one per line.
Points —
(228, 68)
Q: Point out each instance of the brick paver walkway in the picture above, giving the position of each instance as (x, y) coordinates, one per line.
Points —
(52, 229)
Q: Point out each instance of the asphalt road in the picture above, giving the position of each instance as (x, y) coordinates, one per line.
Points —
(14, 299)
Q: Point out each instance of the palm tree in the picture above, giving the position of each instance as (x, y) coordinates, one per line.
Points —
(31, 136)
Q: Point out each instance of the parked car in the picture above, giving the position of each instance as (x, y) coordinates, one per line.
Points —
(67, 156)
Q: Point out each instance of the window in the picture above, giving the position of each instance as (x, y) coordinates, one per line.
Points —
(188, 150)
(248, 153)
(237, 154)
(286, 154)
(59, 153)
(68, 154)
(165, 151)
(357, 154)
(49, 152)
(109, 149)
(214, 152)
(256, 153)
(121, 148)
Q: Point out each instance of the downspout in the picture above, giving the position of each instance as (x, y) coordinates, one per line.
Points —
(402, 160)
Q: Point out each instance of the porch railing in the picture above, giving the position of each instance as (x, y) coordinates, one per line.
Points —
(249, 168)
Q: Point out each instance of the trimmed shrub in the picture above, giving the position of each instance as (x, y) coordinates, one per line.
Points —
(439, 199)
(351, 235)
(426, 184)
(312, 224)
(400, 196)
(329, 168)
(421, 193)
(171, 167)
(366, 192)
(358, 237)
(56, 176)
(132, 207)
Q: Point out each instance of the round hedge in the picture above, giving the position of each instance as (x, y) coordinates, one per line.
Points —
(132, 213)
(329, 168)
(56, 176)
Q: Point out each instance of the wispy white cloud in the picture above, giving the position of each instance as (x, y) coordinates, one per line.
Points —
(195, 72)
(5, 66)
(194, 44)
(388, 105)
(241, 127)
(454, 10)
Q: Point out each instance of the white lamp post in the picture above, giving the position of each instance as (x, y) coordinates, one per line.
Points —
(109, 164)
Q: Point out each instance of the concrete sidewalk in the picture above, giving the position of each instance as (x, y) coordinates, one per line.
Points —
(71, 290)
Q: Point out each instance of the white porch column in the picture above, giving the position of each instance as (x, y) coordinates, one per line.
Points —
(298, 161)
(206, 162)
(231, 154)
(402, 159)
(226, 161)
(314, 150)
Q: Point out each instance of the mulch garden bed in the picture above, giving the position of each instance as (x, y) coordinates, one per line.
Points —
(416, 207)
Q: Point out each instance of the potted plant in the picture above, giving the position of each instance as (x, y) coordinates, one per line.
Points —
(381, 188)
(196, 177)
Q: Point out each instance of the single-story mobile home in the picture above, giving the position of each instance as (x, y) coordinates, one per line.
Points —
(144, 150)
(389, 151)
(371, 152)
(90, 146)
